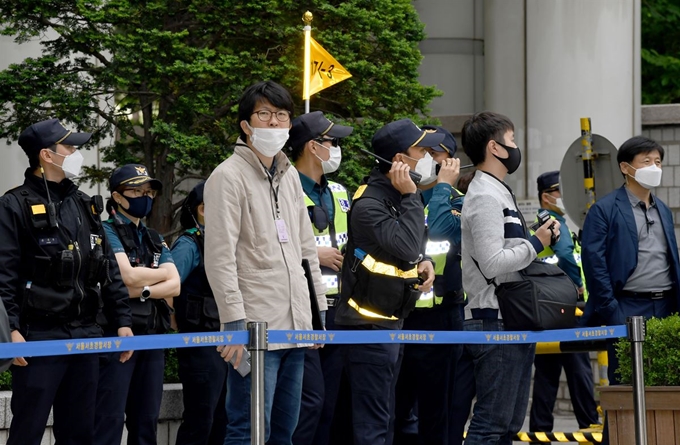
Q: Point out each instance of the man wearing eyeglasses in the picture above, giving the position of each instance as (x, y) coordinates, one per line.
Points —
(256, 235)
(316, 152)
(383, 271)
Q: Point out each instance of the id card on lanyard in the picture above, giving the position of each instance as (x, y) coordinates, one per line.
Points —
(281, 229)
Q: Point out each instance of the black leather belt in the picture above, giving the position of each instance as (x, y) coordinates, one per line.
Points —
(332, 302)
(648, 295)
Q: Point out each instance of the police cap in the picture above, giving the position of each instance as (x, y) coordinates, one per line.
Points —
(448, 144)
(548, 182)
(132, 175)
(47, 133)
(314, 125)
(398, 136)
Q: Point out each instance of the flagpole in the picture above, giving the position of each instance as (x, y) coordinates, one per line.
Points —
(307, 19)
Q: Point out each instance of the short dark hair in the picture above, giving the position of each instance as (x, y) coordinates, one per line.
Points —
(296, 150)
(268, 90)
(479, 130)
(636, 145)
(34, 158)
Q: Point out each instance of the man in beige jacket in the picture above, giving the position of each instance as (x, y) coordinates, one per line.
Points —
(257, 234)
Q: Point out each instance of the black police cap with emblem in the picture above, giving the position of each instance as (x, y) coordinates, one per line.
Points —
(398, 136)
(132, 175)
(548, 182)
(448, 144)
(47, 133)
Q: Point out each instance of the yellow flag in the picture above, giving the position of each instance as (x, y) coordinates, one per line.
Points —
(324, 70)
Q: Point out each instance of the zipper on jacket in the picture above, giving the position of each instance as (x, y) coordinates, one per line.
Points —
(77, 277)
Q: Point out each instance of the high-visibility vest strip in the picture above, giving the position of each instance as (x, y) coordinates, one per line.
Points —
(380, 268)
(323, 238)
(366, 313)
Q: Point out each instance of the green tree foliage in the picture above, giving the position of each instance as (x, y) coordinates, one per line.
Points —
(660, 51)
(164, 77)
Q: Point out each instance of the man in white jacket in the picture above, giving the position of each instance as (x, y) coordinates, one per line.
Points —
(257, 233)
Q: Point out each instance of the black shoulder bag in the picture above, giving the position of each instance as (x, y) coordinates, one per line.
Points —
(545, 298)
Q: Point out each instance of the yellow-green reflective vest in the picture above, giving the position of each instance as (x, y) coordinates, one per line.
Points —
(547, 255)
(323, 238)
(437, 250)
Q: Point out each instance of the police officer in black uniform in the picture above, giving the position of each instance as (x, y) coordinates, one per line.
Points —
(382, 268)
(58, 273)
(202, 371)
(133, 391)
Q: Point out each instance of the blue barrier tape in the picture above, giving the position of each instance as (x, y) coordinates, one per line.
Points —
(143, 342)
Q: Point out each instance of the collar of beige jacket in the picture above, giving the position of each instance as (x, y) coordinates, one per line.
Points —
(243, 150)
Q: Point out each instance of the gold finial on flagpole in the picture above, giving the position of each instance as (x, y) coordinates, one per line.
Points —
(307, 18)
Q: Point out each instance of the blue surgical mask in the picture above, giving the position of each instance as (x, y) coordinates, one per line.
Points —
(139, 207)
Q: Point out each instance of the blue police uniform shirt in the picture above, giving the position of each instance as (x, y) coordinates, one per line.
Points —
(442, 223)
(117, 245)
(317, 192)
(187, 256)
(564, 250)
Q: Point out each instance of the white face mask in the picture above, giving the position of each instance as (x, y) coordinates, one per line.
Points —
(268, 141)
(72, 164)
(334, 159)
(427, 168)
(648, 177)
(559, 204)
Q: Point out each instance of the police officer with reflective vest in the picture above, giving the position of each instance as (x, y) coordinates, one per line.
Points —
(58, 274)
(202, 371)
(426, 375)
(315, 150)
(383, 266)
(132, 392)
(549, 366)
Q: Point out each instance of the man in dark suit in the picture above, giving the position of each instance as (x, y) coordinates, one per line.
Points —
(630, 254)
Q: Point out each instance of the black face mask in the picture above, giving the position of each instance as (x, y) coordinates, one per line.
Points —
(139, 207)
(513, 160)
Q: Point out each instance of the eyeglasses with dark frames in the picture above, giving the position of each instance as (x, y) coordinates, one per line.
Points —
(138, 192)
(266, 115)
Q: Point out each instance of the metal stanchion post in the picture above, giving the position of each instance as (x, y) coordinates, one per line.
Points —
(636, 335)
(257, 346)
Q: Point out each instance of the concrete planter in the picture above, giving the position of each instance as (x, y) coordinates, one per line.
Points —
(663, 414)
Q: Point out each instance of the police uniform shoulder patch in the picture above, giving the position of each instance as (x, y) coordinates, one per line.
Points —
(335, 187)
(344, 204)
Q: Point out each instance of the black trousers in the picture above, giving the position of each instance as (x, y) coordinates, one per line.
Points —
(129, 392)
(203, 373)
(69, 383)
(320, 423)
(547, 381)
(426, 376)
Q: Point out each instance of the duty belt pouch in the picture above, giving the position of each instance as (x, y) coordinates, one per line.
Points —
(141, 313)
(163, 316)
(200, 310)
(544, 299)
(45, 302)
